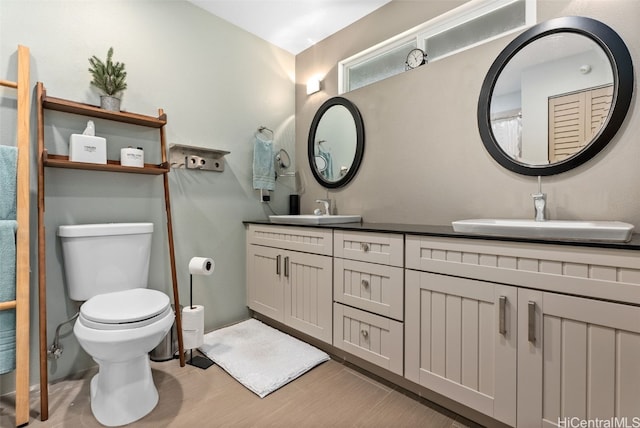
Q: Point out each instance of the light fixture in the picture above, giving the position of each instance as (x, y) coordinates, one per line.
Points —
(313, 85)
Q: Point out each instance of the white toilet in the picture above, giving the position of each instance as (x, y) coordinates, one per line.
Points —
(121, 320)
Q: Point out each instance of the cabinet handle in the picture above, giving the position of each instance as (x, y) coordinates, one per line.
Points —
(278, 258)
(364, 333)
(502, 327)
(365, 247)
(532, 321)
(286, 267)
(365, 283)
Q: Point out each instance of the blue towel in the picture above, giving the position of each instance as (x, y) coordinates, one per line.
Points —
(328, 170)
(7, 293)
(264, 170)
(8, 174)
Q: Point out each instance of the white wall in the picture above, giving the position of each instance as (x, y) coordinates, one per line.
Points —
(215, 82)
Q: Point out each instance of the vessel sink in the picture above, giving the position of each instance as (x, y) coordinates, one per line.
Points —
(314, 219)
(613, 231)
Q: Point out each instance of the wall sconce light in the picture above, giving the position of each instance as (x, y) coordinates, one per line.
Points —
(313, 85)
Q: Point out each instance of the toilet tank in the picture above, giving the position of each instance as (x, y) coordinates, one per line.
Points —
(102, 258)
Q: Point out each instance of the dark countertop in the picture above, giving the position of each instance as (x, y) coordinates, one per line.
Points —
(447, 232)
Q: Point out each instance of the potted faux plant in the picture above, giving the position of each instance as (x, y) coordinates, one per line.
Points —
(108, 77)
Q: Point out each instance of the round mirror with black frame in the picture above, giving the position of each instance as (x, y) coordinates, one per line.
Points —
(336, 142)
(532, 124)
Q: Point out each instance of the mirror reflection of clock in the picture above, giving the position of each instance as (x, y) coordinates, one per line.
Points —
(416, 58)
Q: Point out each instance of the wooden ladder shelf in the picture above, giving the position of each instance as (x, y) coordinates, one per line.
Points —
(58, 161)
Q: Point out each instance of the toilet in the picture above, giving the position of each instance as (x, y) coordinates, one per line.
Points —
(121, 320)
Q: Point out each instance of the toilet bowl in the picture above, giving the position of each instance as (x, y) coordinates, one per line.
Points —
(119, 330)
(121, 320)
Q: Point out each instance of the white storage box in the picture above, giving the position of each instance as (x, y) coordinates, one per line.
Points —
(87, 148)
(132, 157)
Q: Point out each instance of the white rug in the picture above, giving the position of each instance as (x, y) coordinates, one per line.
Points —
(260, 357)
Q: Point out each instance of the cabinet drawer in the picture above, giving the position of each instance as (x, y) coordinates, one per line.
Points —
(383, 248)
(601, 273)
(372, 287)
(371, 337)
(306, 240)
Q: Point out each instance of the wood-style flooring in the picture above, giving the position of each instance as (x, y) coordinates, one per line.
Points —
(330, 395)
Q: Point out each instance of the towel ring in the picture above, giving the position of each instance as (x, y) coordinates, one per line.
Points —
(265, 131)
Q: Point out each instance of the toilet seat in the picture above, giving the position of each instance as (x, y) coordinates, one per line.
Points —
(123, 310)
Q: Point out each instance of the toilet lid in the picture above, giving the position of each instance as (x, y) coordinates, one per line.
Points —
(126, 306)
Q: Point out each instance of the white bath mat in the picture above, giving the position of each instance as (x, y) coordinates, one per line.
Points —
(260, 357)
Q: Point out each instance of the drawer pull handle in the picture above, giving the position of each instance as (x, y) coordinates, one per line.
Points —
(365, 283)
(532, 321)
(502, 328)
(286, 267)
(364, 333)
(365, 247)
(278, 258)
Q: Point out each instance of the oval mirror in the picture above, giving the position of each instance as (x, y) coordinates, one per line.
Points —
(555, 96)
(336, 142)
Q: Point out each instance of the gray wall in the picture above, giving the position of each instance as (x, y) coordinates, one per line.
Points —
(424, 162)
(215, 82)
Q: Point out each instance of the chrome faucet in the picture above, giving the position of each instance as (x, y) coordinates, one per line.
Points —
(539, 202)
(327, 207)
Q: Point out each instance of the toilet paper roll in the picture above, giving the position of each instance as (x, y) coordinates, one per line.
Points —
(201, 266)
(193, 326)
(193, 318)
(192, 339)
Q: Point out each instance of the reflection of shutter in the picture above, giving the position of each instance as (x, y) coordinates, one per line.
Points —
(600, 105)
(566, 125)
(575, 118)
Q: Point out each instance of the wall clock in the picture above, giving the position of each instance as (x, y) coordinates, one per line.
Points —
(416, 58)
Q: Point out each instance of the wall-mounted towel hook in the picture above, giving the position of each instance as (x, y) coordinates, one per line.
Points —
(202, 158)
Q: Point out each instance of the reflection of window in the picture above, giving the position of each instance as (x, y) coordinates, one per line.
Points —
(469, 25)
(574, 119)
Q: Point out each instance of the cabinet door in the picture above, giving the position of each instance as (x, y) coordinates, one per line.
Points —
(307, 280)
(461, 341)
(577, 358)
(264, 284)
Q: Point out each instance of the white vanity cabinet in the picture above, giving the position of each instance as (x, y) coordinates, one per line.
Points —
(368, 291)
(529, 334)
(289, 277)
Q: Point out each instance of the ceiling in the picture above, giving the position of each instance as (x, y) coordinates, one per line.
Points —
(293, 25)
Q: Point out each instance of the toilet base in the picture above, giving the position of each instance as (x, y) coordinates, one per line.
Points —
(123, 392)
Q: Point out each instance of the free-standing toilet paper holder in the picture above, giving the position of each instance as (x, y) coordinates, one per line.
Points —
(200, 361)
